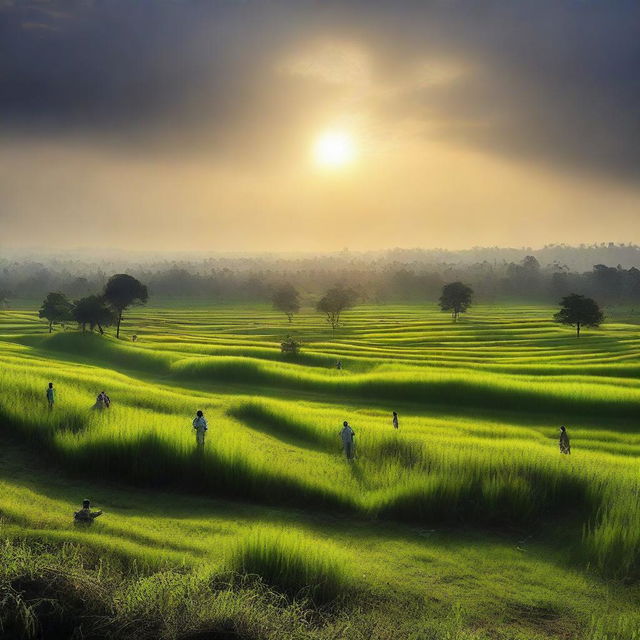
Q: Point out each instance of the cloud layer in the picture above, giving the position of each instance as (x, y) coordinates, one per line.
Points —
(237, 88)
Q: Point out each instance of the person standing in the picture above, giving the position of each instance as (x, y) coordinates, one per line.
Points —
(565, 445)
(201, 427)
(51, 395)
(347, 436)
(395, 420)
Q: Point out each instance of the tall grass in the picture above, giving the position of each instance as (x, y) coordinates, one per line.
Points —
(396, 477)
(566, 399)
(493, 471)
(297, 565)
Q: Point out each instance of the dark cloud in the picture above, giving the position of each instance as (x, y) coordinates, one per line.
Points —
(549, 80)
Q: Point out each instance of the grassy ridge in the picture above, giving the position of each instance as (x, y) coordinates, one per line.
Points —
(476, 446)
(413, 480)
(468, 389)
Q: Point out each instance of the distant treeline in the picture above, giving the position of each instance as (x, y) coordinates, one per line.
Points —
(545, 275)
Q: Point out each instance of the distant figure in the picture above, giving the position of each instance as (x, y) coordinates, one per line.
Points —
(565, 446)
(102, 401)
(200, 425)
(339, 365)
(99, 405)
(51, 395)
(395, 420)
(134, 338)
(347, 435)
(85, 515)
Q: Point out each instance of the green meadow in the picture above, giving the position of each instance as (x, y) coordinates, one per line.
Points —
(465, 523)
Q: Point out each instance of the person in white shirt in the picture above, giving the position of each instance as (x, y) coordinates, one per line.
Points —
(200, 425)
(347, 435)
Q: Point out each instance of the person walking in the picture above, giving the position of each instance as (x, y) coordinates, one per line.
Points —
(85, 515)
(395, 421)
(51, 395)
(201, 427)
(565, 445)
(347, 436)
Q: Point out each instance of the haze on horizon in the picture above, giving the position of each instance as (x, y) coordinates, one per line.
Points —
(311, 126)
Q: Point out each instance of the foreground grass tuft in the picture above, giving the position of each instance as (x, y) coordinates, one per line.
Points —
(296, 565)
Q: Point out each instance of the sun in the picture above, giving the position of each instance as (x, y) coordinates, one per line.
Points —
(334, 149)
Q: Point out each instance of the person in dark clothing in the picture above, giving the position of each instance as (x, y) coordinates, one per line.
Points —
(565, 445)
(85, 515)
(51, 395)
(347, 436)
(395, 420)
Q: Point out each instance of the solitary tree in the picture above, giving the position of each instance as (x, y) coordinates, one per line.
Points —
(55, 308)
(456, 297)
(93, 311)
(286, 299)
(121, 291)
(334, 302)
(578, 311)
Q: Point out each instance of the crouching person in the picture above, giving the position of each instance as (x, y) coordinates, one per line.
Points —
(85, 515)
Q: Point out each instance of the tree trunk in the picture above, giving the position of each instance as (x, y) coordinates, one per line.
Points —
(50, 327)
(578, 329)
(118, 326)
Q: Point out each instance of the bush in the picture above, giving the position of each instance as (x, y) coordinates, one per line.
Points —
(290, 346)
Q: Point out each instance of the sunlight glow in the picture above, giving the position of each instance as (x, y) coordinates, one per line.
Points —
(334, 149)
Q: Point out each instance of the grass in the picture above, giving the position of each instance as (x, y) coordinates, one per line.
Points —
(294, 564)
(479, 402)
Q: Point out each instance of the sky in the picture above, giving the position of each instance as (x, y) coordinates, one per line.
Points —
(299, 125)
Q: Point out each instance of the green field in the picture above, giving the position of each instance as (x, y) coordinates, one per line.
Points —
(466, 523)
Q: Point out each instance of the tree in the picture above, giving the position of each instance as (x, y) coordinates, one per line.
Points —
(456, 297)
(578, 311)
(120, 292)
(334, 302)
(55, 308)
(93, 311)
(286, 299)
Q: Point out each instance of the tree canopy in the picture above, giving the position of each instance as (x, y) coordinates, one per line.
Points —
(122, 291)
(456, 297)
(579, 311)
(286, 299)
(337, 300)
(93, 311)
(55, 308)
